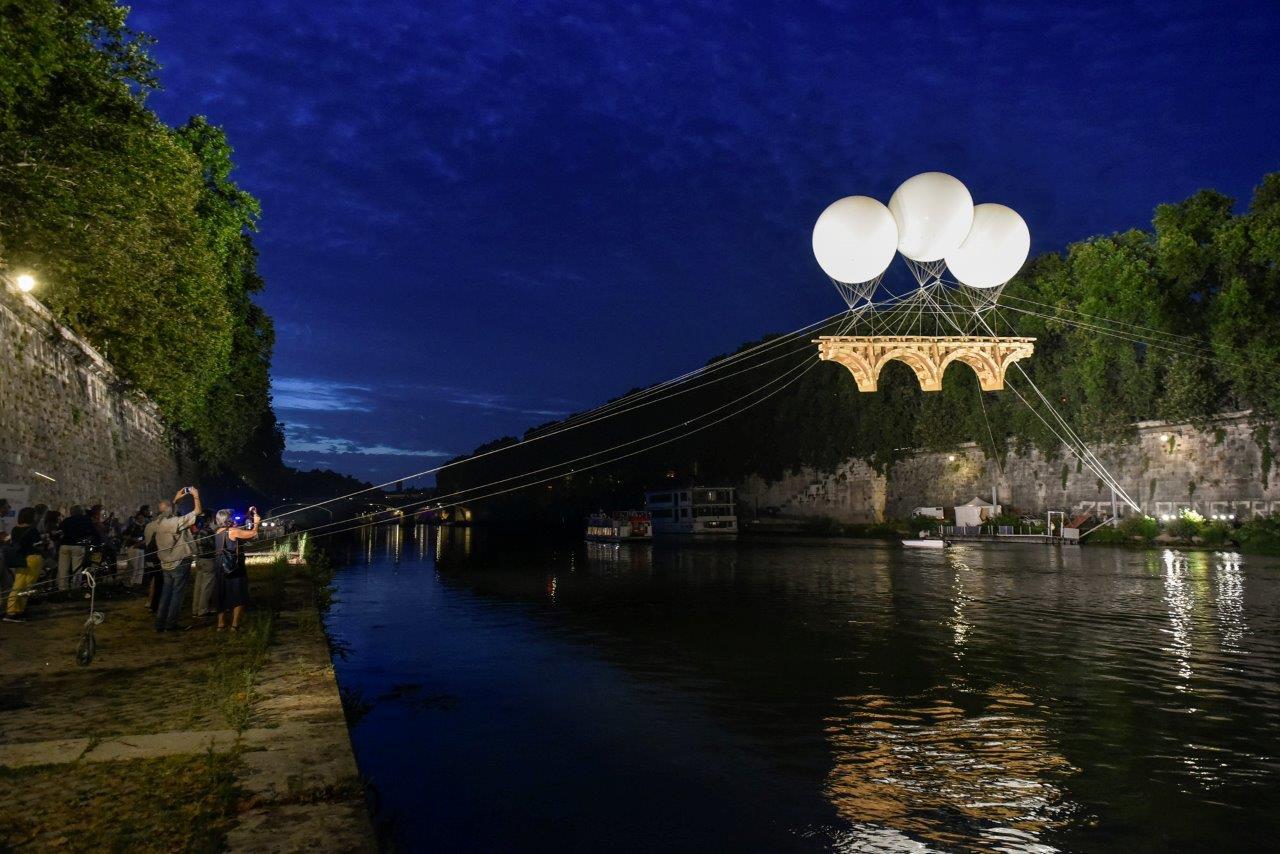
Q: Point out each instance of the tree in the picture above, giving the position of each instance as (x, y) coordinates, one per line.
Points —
(1244, 334)
(136, 230)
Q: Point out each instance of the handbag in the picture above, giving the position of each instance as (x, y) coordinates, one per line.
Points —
(226, 560)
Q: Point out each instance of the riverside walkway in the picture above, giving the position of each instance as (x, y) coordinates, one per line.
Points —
(195, 740)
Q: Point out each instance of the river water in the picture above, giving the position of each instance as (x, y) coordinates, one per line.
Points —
(779, 695)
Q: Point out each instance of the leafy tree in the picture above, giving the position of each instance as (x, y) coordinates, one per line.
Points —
(1243, 331)
(138, 234)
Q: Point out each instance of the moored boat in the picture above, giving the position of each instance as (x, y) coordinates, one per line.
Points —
(925, 543)
(693, 510)
(619, 527)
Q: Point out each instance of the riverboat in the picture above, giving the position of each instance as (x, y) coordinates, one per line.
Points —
(925, 543)
(624, 526)
(695, 510)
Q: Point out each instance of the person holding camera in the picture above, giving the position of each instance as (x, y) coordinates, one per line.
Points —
(231, 582)
(177, 552)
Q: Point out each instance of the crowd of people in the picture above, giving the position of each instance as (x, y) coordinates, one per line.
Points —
(156, 554)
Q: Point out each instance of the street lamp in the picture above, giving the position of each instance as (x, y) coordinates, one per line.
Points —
(26, 283)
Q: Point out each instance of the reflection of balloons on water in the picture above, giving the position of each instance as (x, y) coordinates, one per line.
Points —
(930, 218)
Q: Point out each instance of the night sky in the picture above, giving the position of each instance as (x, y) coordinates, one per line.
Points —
(480, 216)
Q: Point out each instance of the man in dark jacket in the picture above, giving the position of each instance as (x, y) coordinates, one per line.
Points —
(78, 531)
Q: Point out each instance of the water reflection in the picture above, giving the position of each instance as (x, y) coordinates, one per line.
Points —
(1181, 604)
(1228, 576)
(960, 625)
(616, 558)
(927, 768)
(859, 698)
(452, 543)
(395, 542)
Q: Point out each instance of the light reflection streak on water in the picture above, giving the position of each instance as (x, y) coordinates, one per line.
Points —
(1228, 578)
(1180, 603)
(960, 625)
(395, 540)
(421, 540)
(924, 769)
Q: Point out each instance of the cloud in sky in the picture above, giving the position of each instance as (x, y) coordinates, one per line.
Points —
(308, 439)
(317, 395)
(343, 425)
(492, 402)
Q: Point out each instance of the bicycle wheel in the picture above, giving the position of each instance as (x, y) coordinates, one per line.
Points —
(88, 647)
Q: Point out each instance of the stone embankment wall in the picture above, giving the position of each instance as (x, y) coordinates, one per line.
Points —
(68, 430)
(1223, 468)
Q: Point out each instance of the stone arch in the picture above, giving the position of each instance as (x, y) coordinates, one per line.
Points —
(1015, 355)
(990, 375)
(924, 368)
(864, 374)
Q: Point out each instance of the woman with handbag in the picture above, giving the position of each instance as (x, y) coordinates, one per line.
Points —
(230, 581)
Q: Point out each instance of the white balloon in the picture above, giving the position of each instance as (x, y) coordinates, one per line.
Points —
(934, 212)
(995, 249)
(854, 239)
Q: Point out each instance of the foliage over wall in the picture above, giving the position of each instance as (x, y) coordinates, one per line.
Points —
(1204, 273)
(138, 235)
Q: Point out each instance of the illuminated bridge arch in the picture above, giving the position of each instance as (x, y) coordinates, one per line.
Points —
(928, 357)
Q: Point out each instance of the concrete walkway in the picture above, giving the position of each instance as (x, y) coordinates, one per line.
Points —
(148, 695)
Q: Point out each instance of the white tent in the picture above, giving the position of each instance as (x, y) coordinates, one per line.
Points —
(976, 512)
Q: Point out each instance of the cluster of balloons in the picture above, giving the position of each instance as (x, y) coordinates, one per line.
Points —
(930, 218)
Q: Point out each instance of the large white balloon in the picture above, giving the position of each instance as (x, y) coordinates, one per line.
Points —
(995, 249)
(934, 212)
(854, 239)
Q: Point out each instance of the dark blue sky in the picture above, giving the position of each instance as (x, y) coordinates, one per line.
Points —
(480, 215)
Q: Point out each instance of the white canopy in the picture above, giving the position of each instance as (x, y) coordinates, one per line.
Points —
(976, 512)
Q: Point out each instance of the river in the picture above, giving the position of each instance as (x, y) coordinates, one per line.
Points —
(798, 695)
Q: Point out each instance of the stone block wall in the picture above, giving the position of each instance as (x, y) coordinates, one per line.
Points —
(1220, 469)
(67, 428)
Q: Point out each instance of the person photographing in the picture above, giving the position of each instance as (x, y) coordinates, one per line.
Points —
(231, 582)
(177, 551)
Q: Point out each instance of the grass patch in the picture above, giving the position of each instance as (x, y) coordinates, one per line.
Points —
(174, 803)
(230, 679)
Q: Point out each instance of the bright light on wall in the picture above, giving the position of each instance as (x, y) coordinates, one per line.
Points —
(26, 283)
